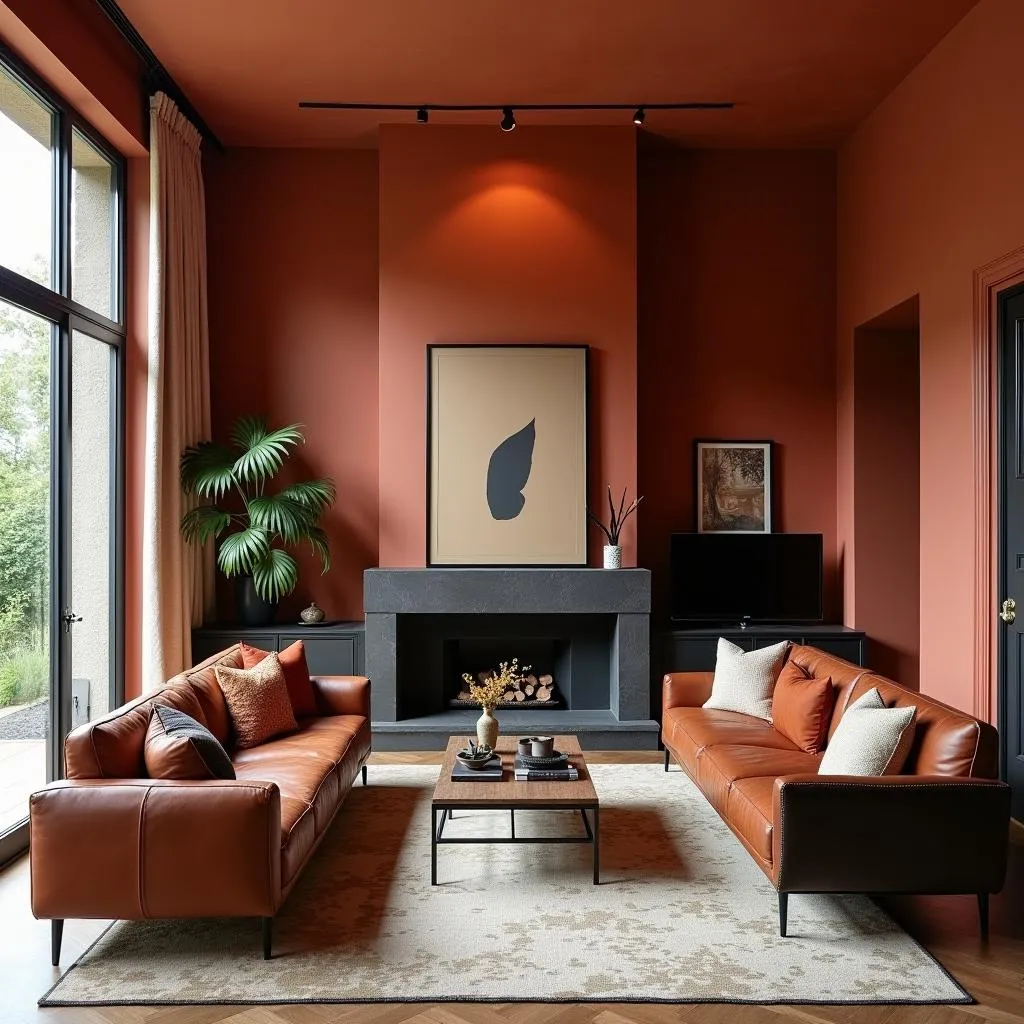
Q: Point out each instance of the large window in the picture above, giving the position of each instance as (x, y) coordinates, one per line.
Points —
(61, 349)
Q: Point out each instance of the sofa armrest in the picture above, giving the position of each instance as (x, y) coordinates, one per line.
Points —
(685, 689)
(895, 833)
(135, 848)
(342, 695)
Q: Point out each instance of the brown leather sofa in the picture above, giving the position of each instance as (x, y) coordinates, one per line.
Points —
(108, 842)
(940, 827)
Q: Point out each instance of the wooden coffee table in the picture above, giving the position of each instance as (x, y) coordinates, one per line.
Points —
(514, 796)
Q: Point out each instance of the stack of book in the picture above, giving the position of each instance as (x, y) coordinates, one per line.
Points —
(525, 774)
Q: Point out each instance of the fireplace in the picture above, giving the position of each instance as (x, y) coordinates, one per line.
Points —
(535, 666)
(586, 629)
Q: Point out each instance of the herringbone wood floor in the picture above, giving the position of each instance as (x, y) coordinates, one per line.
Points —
(992, 972)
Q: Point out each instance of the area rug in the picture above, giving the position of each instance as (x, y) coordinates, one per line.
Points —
(682, 915)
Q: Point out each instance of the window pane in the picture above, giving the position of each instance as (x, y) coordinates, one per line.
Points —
(26, 182)
(93, 228)
(92, 386)
(24, 558)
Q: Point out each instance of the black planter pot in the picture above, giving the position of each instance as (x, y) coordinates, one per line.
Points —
(252, 609)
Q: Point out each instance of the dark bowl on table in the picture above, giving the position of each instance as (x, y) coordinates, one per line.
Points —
(476, 760)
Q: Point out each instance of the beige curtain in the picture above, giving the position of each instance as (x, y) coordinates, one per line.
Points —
(177, 577)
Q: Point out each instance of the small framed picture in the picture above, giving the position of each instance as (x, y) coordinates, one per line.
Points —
(733, 486)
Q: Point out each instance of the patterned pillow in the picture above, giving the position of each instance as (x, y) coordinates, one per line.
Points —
(870, 739)
(744, 680)
(257, 700)
(179, 747)
(296, 675)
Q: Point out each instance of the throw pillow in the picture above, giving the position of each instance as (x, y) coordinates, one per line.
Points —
(179, 747)
(257, 700)
(870, 739)
(744, 680)
(802, 708)
(296, 675)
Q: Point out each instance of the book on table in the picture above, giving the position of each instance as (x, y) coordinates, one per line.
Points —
(491, 772)
(523, 773)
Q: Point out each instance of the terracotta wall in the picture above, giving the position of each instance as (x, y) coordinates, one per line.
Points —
(929, 190)
(528, 236)
(887, 498)
(292, 237)
(736, 327)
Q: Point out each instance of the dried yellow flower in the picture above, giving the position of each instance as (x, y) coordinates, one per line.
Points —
(490, 692)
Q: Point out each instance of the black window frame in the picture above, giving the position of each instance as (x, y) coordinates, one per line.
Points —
(56, 305)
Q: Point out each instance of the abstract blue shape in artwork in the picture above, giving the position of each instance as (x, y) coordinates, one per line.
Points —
(508, 471)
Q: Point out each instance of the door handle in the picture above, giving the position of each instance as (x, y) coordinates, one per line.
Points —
(69, 618)
(1008, 611)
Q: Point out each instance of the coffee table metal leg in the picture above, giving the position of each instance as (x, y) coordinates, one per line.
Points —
(597, 846)
(433, 846)
(512, 812)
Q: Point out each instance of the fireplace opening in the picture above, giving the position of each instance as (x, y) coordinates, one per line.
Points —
(539, 664)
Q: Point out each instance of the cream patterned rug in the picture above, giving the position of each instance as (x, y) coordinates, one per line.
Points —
(682, 915)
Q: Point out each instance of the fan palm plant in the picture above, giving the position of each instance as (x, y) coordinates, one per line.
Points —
(256, 525)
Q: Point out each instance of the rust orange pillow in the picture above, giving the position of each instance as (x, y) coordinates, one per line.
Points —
(258, 702)
(802, 708)
(296, 675)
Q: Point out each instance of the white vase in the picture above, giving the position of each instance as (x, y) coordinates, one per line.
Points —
(613, 556)
(487, 729)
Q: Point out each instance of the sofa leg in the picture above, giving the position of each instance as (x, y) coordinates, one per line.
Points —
(783, 911)
(364, 774)
(666, 759)
(268, 936)
(56, 934)
(983, 913)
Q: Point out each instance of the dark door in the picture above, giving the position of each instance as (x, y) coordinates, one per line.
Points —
(1011, 661)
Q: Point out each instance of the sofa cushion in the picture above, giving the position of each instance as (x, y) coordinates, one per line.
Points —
(744, 680)
(721, 765)
(258, 701)
(689, 730)
(871, 739)
(178, 747)
(802, 707)
(749, 811)
(296, 675)
(202, 679)
(335, 738)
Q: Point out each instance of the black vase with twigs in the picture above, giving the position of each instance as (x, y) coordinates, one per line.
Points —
(613, 530)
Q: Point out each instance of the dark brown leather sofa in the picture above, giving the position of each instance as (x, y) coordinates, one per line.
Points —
(108, 842)
(940, 827)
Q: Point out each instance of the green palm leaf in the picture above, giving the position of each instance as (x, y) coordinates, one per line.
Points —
(198, 525)
(318, 541)
(279, 514)
(207, 469)
(275, 575)
(263, 451)
(240, 552)
(313, 494)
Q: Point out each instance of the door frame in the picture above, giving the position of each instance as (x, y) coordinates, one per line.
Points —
(990, 280)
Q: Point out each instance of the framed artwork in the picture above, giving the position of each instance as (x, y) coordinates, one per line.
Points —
(507, 454)
(733, 487)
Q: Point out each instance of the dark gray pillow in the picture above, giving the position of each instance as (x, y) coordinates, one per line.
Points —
(179, 747)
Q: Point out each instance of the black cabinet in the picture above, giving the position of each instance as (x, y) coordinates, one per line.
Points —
(334, 650)
(693, 650)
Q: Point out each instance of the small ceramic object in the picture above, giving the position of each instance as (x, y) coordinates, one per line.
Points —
(487, 729)
(542, 746)
(612, 556)
(526, 745)
(475, 758)
(312, 614)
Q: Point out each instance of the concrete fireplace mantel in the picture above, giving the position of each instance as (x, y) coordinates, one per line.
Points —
(556, 600)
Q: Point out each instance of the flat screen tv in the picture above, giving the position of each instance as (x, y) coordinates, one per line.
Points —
(744, 578)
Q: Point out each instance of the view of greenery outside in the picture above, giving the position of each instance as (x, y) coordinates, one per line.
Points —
(24, 505)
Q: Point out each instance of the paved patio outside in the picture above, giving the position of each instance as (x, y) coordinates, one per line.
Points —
(22, 771)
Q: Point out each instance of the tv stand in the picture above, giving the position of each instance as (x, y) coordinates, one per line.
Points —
(693, 648)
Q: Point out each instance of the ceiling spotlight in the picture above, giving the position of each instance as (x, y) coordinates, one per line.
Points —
(638, 117)
(422, 115)
(508, 119)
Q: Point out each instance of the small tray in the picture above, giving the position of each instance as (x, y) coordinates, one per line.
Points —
(555, 761)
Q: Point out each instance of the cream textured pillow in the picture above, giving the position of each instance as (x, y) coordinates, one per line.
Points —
(257, 700)
(870, 739)
(744, 680)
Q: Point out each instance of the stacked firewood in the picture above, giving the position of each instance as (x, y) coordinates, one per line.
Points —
(528, 687)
